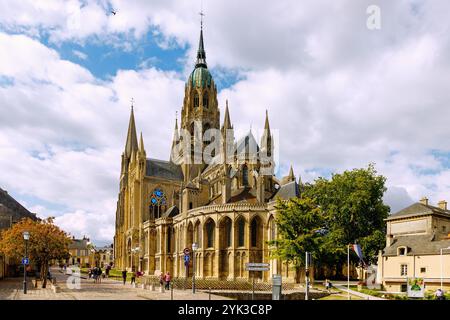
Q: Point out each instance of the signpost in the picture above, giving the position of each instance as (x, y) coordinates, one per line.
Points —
(276, 287)
(187, 258)
(252, 266)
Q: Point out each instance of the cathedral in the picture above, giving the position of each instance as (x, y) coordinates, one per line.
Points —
(225, 206)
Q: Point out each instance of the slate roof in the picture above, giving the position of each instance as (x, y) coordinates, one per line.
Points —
(288, 191)
(78, 244)
(418, 209)
(164, 169)
(9, 207)
(417, 245)
(171, 212)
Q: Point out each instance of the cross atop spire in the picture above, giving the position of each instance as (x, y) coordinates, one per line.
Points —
(201, 54)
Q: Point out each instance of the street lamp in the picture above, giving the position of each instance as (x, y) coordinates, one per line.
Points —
(26, 237)
(442, 268)
(194, 247)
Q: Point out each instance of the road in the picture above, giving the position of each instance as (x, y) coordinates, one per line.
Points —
(11, 289)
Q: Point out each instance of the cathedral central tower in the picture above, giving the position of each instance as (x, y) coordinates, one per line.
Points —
(200, 110)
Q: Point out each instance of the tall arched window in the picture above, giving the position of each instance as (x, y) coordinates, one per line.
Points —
(241, 232)
(169, 239)
(210, 233)
(196, 100)
(205, 100)
(228, 232)
(271, 228)
(158, 203)
(245, 175)
(255, 232)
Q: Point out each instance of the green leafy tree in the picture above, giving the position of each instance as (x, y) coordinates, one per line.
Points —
(353, 208)
(299, 222)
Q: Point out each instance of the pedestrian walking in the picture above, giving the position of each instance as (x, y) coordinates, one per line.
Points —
(161, 279)
(124, 276)
(439, 294)
(108, 268)
(99, 275)
(133, 277)
(167, 279)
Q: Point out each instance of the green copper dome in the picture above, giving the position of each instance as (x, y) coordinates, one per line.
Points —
(200, 77)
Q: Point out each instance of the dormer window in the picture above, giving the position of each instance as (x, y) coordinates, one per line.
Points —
(402, 251)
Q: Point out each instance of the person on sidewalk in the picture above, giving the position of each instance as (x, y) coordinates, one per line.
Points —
(167, 279)
(133, 277)
(439, 294)
(161, 279)
(124, 276)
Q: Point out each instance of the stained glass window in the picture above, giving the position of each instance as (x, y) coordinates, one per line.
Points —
(158, 203)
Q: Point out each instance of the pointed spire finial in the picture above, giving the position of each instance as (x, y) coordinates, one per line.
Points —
(131, 143)
(141, 144)
(201, 54)
(291, 174)
(226, 120)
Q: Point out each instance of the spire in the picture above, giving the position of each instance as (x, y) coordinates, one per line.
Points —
(291, 175)
(176, 135)
(226, 120)
(141, 144)
(201, 54)
(266, 125)
(131, 144)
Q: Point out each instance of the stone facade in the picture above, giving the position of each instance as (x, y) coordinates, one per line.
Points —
(415, 237)
(226, 207)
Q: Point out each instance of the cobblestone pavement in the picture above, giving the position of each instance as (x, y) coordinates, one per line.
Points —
(11, 289)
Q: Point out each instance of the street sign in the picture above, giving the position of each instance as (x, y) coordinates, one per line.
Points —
(25, 261)
(257, 269)
(187, 258)
(257, 266)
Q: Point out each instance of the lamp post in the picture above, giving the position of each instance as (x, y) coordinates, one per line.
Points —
(194, 247)
(442, 267)
(26, 237)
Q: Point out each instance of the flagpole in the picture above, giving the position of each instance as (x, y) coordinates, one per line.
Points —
(348, 271)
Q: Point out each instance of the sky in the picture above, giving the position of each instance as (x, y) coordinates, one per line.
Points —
(339, 94)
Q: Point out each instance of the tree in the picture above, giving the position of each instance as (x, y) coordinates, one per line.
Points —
(353, 208)
(299, 222)
(47, 242)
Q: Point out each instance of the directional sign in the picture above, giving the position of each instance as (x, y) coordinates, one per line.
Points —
(257, 265)
(187, 258)
(257, 269)
(25, 261)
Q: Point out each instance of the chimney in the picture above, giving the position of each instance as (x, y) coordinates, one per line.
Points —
(424, 201)
(389, 240)
(442, 204)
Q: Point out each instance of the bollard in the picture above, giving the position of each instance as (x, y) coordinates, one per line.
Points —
(209, 293)
(171, 291)
(152, 287)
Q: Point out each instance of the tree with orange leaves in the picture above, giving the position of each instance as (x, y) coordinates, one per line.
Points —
(47, 242)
